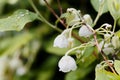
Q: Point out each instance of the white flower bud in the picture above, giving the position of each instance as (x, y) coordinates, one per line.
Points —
(85, 32)
(67, 63)
(88, 19)
(115, 42)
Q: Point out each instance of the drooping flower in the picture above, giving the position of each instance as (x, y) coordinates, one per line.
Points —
(106, 47)
(63, 40)
(88, 19)
(108, 50)
(85, 32)
(66, 64)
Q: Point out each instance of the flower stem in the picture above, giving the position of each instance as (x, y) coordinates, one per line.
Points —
(41, 18)
(97, 45)
(59, 5)
(100, 11)
(102, 53)
(78, 47)
(115, 21)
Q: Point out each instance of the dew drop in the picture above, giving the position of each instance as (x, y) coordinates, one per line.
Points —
(18, 17)
(22, 15)
(27, 12)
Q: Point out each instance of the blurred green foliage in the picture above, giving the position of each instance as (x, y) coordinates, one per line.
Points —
(33, 44)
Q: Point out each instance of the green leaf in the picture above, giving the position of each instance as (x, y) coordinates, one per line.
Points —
(117, 66)
(106, 75)
(17, 20)
(102, 74)
(96, 5)
(87, 58)
(114, 8)
(79, 74)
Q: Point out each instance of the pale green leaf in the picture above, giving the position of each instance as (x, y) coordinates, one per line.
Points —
(96, 5)
(114, 8)
(102, 74)
(106, 75)
(17, 20)
(117, 66)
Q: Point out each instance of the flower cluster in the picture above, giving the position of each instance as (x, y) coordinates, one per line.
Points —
(65, 40)
(108, 44)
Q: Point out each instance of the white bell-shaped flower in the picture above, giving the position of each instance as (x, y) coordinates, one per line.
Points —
(61, 41)
(106, 47)
(116, 42)
(66, 64)
(108, 50)
(88, 19)
(85, 32)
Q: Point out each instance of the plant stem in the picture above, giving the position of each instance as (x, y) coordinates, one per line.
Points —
(115, 21)
(60, 8)
(49, 7)
(41, 18)
(97, 45)
(100, 11)
(78, 47)
(73, 34)
(102, 53)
